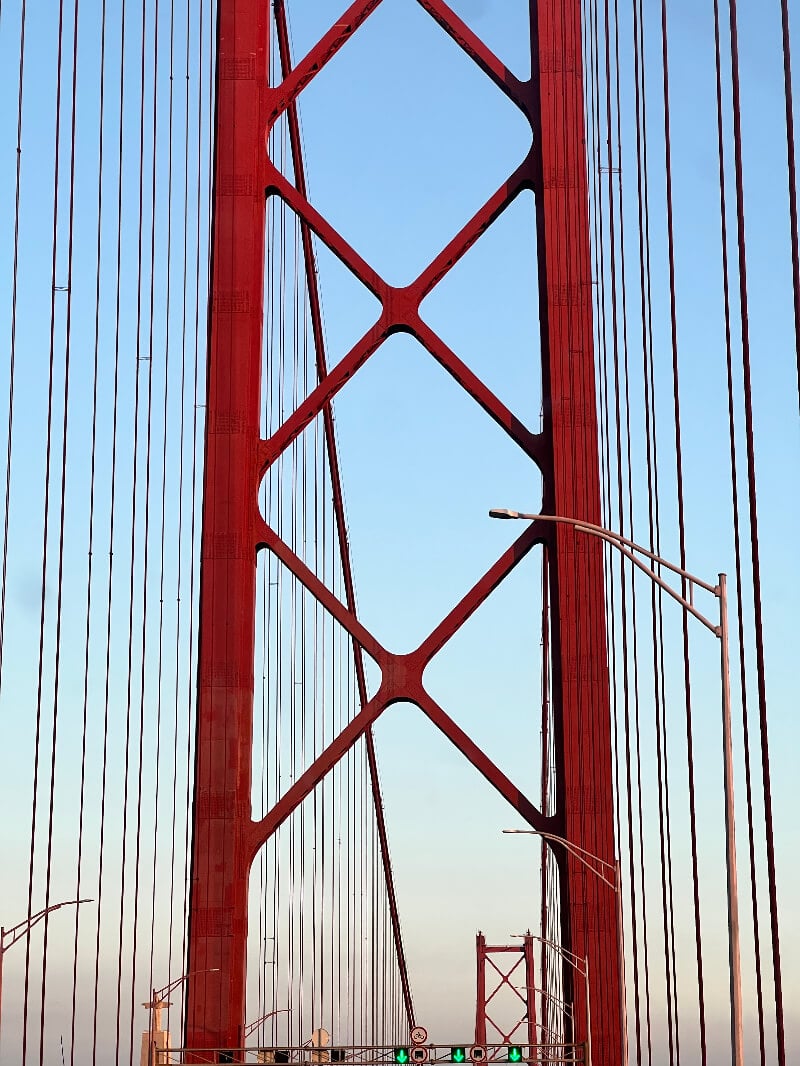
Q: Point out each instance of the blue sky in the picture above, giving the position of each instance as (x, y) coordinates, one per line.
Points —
(404, 140)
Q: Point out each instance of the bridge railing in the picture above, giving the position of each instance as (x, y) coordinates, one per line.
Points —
(372, 1055)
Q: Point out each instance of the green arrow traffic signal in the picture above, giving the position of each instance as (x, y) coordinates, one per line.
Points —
(458, 1054)
(401, 1055)
(514, 1053)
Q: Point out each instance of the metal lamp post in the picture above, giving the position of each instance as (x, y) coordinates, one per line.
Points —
(554, 1038)
(250, 1027)
(9, 937)
(720, 630)
(570, 957)
(562, 1003)
(583, 856)
(159, 1001)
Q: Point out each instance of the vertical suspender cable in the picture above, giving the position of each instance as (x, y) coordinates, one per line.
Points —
(160, 681)
(134, 543)
(650, 426)
(62, 475)
(111, 537)
(13, 337)
(40, 682)
(92, 487)
(681, 530)
(736, 530)
(200, 160)
(792, 170)
(181, 483)
(753, 516)
(669, 912)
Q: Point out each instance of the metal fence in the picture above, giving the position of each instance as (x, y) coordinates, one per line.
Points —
(412, 1055)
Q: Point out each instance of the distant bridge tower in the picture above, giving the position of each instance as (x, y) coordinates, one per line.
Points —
(512, 970)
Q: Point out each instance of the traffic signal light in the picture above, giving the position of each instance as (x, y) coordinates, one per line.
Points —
(458, 1054)
(514, 1053)
(401, 1055)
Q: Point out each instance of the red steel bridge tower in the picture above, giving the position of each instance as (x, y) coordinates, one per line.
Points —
(225, 837)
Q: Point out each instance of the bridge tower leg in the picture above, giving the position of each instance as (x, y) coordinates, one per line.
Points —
(222, 802)
(513, 964)
(580, 682)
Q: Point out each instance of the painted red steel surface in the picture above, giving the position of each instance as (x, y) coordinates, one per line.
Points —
(582, 717)
(225, 838)
(516, 976)
(220, 855)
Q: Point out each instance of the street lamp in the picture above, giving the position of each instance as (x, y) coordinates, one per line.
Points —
(9, 937)
(577, 852)
(554, 1038)
(569, 957)
(250, 1027)
(156, 1005)
(562, 1003)
(720, 630)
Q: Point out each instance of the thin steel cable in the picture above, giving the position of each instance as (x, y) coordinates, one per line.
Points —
(791, 164)
(650, 442)
(613, 165)
(204, 168)
(755, 558)
(545, 766)
(111, 540)
(91, 537)
(736, 529)
(13, 332)
(601, 402)
(45, 551)
(610, 585)
(61, 492)
(671, 968)
(162, 495)
(134, 542)
(681, 524)
(181, 483)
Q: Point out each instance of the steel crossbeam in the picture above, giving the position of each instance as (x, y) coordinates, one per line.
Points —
(519, 965)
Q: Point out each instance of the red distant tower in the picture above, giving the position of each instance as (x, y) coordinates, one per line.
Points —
(515, 961)
(225, 839)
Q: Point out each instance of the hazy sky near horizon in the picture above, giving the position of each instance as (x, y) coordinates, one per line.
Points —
(404, 140)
